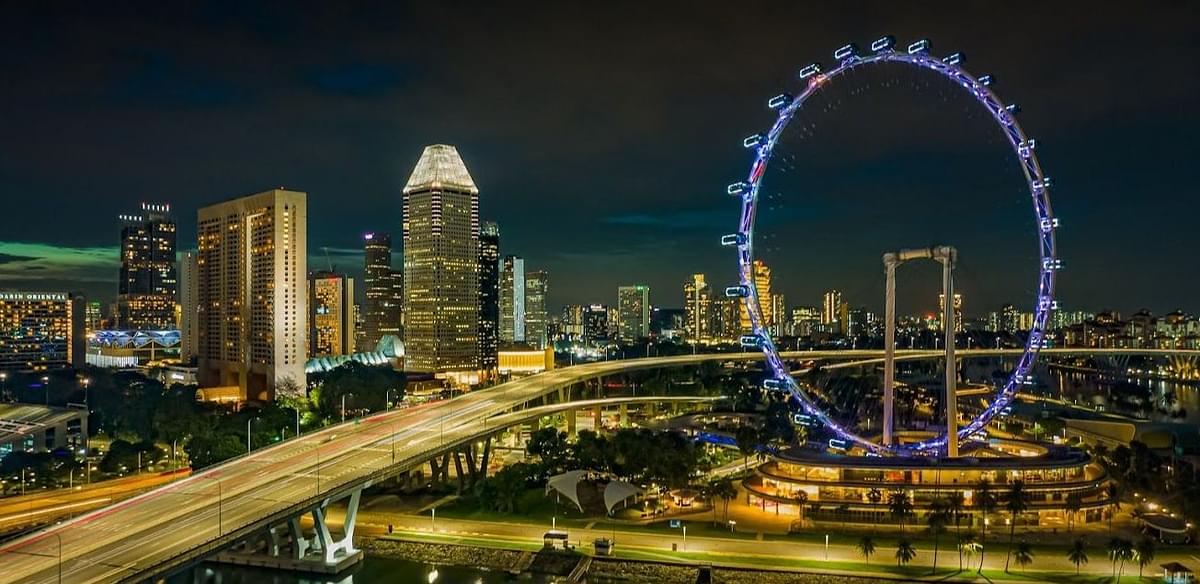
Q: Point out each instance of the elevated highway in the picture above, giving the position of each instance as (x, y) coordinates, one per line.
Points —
(150, 535)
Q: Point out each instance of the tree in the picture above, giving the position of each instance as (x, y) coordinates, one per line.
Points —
(1144, 552)
(747, 441)
(550, 445)
(874, 496)
(1119, 550)
(900, 507)
(1024, 554)
(1016, 501)
(985, 501)
(726, 491)
(967, 547)
(955, 505)
(1114, 502)
(1078, 553)
(866, 548)
(905, 552)
(936, 519)
(1074, 504)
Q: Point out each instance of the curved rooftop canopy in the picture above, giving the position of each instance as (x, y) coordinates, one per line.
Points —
(440, 168)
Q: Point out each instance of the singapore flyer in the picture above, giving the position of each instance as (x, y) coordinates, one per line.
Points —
(816, 79)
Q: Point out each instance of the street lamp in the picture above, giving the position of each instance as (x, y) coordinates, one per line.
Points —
(344, 405)
(46, 386)
(248, 421)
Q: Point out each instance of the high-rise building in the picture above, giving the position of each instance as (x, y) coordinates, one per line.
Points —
(441, 266)
(41, 331)
(330, 314)
(697, 307)
(189, 306)
(805, 320)
(383, 289)
(92, 319)
(512, 300)
(147, 288)
(489, 295)
(958, 315)
(762, 281)
(1010, 318)
(596, 324)
(830, 305)
(571, 324)
(252, 264)
(633, 312)
(726, 323)
(779, 315)
(537, 318)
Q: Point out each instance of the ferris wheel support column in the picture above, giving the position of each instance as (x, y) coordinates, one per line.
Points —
(947, 256)
(889, 346)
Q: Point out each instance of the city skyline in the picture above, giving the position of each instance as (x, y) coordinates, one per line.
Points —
(374, 111)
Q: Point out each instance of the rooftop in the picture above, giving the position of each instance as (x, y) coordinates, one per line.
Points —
(440, 167)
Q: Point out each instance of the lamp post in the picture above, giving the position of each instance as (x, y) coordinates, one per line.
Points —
(220, 500)
(4, 383)
(433, 517)
(248, 422)
(46, 386)
(685, 538)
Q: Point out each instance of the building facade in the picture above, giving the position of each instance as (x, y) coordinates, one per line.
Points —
(384, 302)
(762, 282)
(831, 304)
(147, 287)
(595, 324)
(633, 312)
(697, 306)
(537, 318)
(330, 314)
(189, 306)
(512, 300)
(251, 272)
(489, 295)
(441, 266)
(40, 331)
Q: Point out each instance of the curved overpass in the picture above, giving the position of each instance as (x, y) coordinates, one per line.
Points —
(148, 535)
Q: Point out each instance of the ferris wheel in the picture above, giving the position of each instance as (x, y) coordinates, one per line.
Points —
(815, 78)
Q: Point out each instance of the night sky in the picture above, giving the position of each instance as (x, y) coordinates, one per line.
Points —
(602, 136)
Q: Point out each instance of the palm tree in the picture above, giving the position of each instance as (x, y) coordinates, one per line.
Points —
(1016, 501)
(1074, 504)
(967, 546)
(866, 548)
(900, 506)
(985, 501)
(1078, 553)
(725, 490)
(905, 552)
(1119, 550)
(874, 496)
(955, 504)
(1024, 554)
(1114, 502)
(801, 498)
(1144, 552)
(936, 520)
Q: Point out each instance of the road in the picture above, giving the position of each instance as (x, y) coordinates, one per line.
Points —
(149, 532)
(46, 506)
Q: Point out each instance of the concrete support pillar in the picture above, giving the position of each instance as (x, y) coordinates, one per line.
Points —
(458, 470)
(599, 415)
(331, 549)
(300, 542)
(624, 416)
(571, 432)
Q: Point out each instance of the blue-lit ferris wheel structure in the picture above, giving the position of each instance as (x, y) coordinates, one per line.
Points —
(763, 145)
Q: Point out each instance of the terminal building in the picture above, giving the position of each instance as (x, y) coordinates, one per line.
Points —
(31, 428)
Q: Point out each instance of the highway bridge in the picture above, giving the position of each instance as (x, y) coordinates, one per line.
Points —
(154, 534)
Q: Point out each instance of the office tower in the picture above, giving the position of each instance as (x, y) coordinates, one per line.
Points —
(779, 315)
(697, 307)
(571, 324)
(92, 319)
(41, 331)
(489, 295)
(1010, 319)
(252, 265)
(830, 305)
(512, 300)
(382, 305)
(330, 314)
(189, 306)
(843, 318)
(441, 266)
(958, 305)
(360, 327)
(147, 287)
(633, 312)
(762, 281)
(595, 324)
(805, 320)
(614, 322)
(537, 318)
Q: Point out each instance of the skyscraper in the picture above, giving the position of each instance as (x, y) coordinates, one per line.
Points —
(189, 334)
(779, 315)
(489, 295)
(726, 322)
(633, 312)
(762, 281)
(383, 303)
(830, 305)
(147, 287)
(595, 323)
(697, 309)
(537, 284)
(441, 266)
(572, 321)
(958, 306)
(252, 266)
(512, 300)
(330, 314)
(40, 331)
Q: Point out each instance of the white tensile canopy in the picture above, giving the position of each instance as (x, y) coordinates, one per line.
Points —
(567, 484)
(618, 491)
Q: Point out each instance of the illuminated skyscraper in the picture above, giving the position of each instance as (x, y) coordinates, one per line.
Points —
(595, 323)
(697, 309)
(805, 320)
(383, 290)
(252, 266)
(633, 312)
(779, 315)
(147, 287)
(40, 331)
(489, 295)
(537, 285)
(92, 317)
(189, 307)
(330, 314)
(512, 300)
(726, 325)
(441, 266)
(762, 281)
(958, 305)
(572, 321)
(830, 306)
